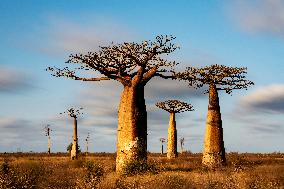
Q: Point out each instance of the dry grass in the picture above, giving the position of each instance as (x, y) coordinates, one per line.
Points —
(98, 171)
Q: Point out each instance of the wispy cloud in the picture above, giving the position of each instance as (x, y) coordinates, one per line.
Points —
(62, 36)
(260, 112)
(171, 89)
(269, 99)
(17, 133)
(12, 80)
(265, 16)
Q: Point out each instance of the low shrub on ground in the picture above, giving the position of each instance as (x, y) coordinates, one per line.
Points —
(93, 174)
(139, 167)
(20, 176)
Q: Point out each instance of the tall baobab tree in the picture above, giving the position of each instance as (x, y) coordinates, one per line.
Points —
(216, 77)
(181, 140)
(74, 113)
(47, 133)
(133, 65)
(162, 140)
(173, 107)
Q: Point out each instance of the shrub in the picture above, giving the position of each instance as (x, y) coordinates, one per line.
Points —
(138, 167)
(93, 175)
(5, 167)
(20, 177)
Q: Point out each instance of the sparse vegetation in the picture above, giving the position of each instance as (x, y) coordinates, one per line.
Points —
(98, 171)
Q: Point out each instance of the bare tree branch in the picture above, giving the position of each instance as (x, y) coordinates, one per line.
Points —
(123, 62)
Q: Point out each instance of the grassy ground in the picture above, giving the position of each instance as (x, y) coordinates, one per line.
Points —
(98, 171)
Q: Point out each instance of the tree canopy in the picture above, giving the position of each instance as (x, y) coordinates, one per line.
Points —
(224, 77)
(174, 106)
(47, 130)
(128, 63)
(73, 112)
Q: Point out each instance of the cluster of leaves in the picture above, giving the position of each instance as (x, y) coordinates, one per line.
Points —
(73, 112)
(123, 62)
(47, 130)
(162, 140)
(224, 77)
(174, 106)
(69, 148)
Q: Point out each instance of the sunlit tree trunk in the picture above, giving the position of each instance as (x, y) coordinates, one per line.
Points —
(172, 137)
(49, 145)
(74, 150)
(214, 151)
(132, 127)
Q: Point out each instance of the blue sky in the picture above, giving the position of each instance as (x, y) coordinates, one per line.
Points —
(35, 35)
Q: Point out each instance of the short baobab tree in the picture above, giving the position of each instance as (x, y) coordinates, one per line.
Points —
(87, 143)
(47, 131)
(133, 65)
(216, 77)
(181, 140)
(173, 107)
(74, 113)
(162, 140)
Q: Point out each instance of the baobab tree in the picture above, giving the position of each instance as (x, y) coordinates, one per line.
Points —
(133, 65)
(162, 140)
(216, 77)
(181, 140)
(173, 107)
(87, 143)
(47, 133)
(74, 113)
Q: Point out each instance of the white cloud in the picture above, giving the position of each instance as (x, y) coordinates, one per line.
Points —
(266, 99)
(265, 16)
(12, 80)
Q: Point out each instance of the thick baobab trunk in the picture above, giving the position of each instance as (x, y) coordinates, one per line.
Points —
(214, 151)
(74, 150)
(172, 137)
(132, 127)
